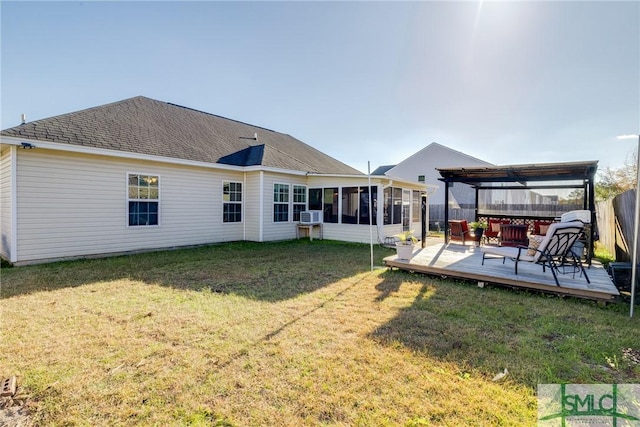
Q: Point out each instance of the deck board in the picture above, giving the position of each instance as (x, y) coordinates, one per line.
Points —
(465, 261)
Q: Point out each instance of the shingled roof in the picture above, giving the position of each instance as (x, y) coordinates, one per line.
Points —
(147, 126)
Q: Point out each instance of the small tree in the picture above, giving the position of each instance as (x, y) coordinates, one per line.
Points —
(615, 181)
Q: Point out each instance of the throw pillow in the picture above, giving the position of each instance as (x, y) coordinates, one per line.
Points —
(534, 243)
(543, 229)
(495, 227)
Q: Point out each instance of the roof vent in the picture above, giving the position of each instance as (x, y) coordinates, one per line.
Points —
(23, 117)
(255, 136)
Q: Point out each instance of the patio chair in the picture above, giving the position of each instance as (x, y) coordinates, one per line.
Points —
(540, 227)
(513, 235)
(493, 230)
(458, 230)
(553, 251)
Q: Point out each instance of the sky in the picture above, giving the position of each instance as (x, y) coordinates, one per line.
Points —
(514, 82)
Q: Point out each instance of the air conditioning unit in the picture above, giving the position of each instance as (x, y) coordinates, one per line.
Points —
(311, 217)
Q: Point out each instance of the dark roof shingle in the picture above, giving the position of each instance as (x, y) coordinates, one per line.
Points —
(147, 126)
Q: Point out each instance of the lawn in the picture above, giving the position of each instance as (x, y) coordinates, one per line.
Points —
(293, 333)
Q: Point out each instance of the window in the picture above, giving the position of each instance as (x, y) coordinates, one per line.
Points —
(355, 205)
(364, 205)
(299, 201)
(406, 206)
(143, 197)
(420, 178)
(280, 202)
(416, 206)
(315, 199)
(392, 205)
(350, 205)
(330, 205)
(231, 202)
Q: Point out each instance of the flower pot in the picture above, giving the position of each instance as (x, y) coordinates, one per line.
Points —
(405, 252)
(477, 235)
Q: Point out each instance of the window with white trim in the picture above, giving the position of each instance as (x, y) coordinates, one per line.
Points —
(299, 200)
(143, 200)
(280, 202)
(231, 202)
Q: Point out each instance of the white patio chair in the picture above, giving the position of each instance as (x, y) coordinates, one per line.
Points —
(554, 251)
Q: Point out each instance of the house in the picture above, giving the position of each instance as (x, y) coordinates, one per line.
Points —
(142, 174)
(421, 167)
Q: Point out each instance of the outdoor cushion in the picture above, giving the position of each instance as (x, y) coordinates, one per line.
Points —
(495, 227)
(534, 243)
(544, 228)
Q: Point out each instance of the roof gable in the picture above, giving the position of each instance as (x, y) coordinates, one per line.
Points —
(146, 126)
(436, 151)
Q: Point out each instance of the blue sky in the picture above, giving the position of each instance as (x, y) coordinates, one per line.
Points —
(507, 82)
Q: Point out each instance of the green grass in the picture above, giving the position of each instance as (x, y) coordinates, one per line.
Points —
(601, 253)
(292, 333)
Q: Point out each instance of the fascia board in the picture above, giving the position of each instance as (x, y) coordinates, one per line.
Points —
(115, 153)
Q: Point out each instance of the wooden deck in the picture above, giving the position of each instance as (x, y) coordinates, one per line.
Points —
(465, 262)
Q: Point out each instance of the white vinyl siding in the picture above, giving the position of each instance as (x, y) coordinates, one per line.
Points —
(74, 205)
(6, 217)
(252, 211)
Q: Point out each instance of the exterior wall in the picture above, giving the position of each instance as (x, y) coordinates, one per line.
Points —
(6, 196)
(425, 163)
(273, 231)
(252, 207)
(76, 205)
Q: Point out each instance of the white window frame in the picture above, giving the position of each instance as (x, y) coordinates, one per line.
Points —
(157, 200)
(287, 203)
(293, 200)
(233, 202)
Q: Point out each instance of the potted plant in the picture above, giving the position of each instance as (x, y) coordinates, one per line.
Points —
(478, 227)
(405, 243)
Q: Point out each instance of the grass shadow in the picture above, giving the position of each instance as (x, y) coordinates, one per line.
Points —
(264, 271)
(537, 337)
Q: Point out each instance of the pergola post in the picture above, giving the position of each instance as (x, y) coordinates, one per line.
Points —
(475, 211)
(592, 208)
(446, 212)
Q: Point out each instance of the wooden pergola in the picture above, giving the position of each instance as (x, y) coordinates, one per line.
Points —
(571, 175)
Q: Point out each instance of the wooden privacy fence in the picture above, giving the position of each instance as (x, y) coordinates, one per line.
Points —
(615, 224)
